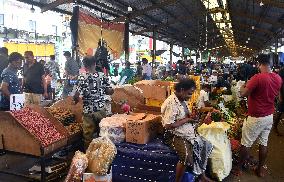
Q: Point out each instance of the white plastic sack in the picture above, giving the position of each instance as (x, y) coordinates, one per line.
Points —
(114, 127)
(221, 156)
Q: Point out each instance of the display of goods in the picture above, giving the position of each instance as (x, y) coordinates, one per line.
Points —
(235, 131)
(207, 120)
(78, 166)
(74, 128)
(216, 116)
(65, 116)
(41, 127)
(100, 153)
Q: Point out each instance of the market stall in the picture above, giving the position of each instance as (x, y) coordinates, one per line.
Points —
(36, 136)
(40, 136)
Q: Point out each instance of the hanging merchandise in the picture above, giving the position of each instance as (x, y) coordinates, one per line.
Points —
(92, 29)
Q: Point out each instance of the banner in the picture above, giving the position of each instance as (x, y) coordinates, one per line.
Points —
(90, 32)
(39, 50)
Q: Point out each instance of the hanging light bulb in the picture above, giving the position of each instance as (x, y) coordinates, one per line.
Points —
(261, 3)
(252, 27)
(129, 9)
(249, 38)
(247, 42)
(32, 9)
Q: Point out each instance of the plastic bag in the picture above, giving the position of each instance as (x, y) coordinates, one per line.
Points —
(78, 166)
(114, 127)
(101, 153)
(221, 156)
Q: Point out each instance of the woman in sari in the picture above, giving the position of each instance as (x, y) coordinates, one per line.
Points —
(179, 123)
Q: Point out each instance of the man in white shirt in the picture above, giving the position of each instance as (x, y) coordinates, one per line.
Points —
(147, 70)
(203, 99)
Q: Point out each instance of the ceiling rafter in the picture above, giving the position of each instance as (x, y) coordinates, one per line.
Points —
(141, 12)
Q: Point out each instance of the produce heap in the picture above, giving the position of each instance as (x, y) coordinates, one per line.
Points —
(234, 113)
(41, 127)
(67, 118)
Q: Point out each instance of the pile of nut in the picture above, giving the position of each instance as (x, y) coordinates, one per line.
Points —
(74, 128)
(65, 116)
(41, 127)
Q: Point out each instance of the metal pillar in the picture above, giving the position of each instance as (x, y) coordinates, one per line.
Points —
(154, 47)
(182, 50)
(126, 41)
(171, 53)
(276, 44)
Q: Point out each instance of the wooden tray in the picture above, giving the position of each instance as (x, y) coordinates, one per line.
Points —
(17, 138)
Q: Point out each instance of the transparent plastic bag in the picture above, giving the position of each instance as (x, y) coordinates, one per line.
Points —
(101, 153)
(78, 166)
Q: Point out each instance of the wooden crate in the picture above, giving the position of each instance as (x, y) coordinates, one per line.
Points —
(17, 138)
(58, 125)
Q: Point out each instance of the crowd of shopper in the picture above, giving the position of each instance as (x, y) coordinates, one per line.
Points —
(93, 86)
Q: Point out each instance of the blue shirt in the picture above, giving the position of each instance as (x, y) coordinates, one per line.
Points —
(9, 75)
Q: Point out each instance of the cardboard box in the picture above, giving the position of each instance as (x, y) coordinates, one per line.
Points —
(148, 109)
(154, 89)
(91, 177)
(142, 131)
(154, 92)
(128, 93)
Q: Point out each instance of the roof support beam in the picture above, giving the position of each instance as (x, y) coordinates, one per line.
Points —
(145, 10)
(54, 4)
(253, 17)
(237, 25)
(245, 15)
(272, 3)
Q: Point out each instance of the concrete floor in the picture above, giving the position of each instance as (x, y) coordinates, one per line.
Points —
(275, 163)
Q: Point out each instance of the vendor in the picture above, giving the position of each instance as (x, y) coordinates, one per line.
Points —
(180, 134)
(93, 86)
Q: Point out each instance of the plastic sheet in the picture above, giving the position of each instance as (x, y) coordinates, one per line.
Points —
(154, 161)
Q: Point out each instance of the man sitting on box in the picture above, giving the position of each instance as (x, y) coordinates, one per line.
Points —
(180, 134)
(10, 81)
(93, 86)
